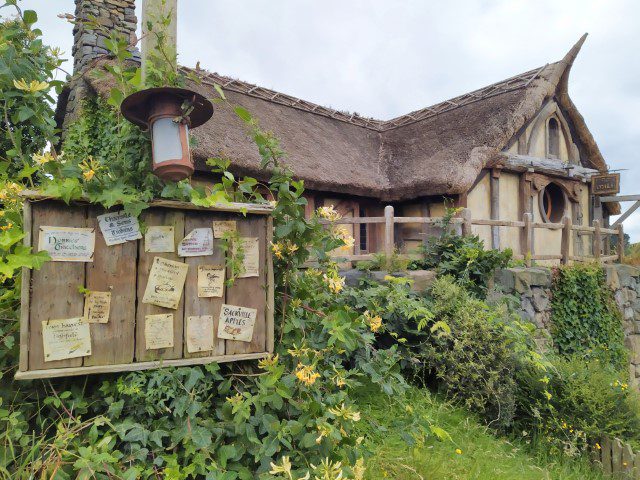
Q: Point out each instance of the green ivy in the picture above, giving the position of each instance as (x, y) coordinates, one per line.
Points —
(585, 318)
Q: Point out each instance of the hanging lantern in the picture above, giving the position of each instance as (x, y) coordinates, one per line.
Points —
(168, 113)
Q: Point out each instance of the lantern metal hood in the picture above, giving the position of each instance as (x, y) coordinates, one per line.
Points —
(169, 113)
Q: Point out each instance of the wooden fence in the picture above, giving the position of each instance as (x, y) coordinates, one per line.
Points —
(617, 459)
(526, 227)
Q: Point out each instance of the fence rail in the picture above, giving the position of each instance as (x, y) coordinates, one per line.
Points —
(527, 227)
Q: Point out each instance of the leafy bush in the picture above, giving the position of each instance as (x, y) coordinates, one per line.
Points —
(396, 263)
(462, 257)
(585, 318)
(576, 403)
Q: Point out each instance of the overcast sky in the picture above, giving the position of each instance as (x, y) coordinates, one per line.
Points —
(384, 58)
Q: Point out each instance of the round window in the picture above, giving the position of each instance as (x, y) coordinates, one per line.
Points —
(553, 203)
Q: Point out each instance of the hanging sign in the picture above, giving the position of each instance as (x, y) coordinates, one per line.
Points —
(66, 338)
(166, 280)
(236, 323)
(198, 243)
(605, 184)
(118, 227)
(68, 244)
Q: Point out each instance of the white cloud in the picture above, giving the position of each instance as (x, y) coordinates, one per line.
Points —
(384, 59)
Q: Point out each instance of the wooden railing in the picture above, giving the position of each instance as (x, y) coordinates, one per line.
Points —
(527, 227)
(617, 459)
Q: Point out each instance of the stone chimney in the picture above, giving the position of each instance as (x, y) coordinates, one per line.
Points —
(88, 43)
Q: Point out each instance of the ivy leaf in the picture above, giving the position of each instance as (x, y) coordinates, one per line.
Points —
(116, 194)
(200, 436)
(10, 237)
(67, 190)
(244, 115)
(22, 257)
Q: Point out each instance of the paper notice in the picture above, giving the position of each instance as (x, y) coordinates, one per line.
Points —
(199, 333)
(67, 244)
(210, 280)
(159, 240)
(97, 306)
(158, 331)
(165, 284)
(66, 338)
(118, 227)
(220, 227)
(250, 247)
(236, 323)
(198, 243)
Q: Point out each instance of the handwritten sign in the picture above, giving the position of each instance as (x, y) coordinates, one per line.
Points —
(159, 239)
(210, 281)
(66, 338)
(605, 184)
(236, 323)
(199, 333)
(198, 243)
(220, 227)
(118, 227)
(97, 306)
(250, 247)
(68, 244)
(158, 331)
(165, 284)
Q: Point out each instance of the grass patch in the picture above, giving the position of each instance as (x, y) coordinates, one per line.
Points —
(471, 452)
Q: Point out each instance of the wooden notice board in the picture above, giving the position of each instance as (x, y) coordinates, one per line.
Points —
(52, 294)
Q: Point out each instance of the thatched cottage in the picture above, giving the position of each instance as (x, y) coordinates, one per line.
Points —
(517, 146)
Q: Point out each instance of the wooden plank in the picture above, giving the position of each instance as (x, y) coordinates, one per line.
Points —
(494, 187)
(134, 367)
(548, 226)
(54, 287)
(466, 223)
(158, 217)
(25, 290)
(353, 221)
(498, 223)
(194, 305)
(527, 233)
(233, 207)
(546, 257)
(619, 198)
(113, 270)
(270, 312)
(597, 240)
(620, 243)
(582, 228)
(249, 292)
(606, 456)
(389, 242)
(626, 214)
(565, 243)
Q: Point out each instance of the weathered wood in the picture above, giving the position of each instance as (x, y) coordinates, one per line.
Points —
(597, 240)
(494, 186)
(628, 457)
(113, 270)
(25, 289)
(249, 292)
(527, 233)
(548, 226)
(525, 206)
(353, 221)
(134, 367)
(616, 456)
(466, 222)
(389, 242)
(54, 287)
(619, 198)
(626, 214)
(194, 305)
(158, 217)
(546, 257)
(233, 207)
(270, 311)
(606, 456)
(620, 243)
(520, 163)
(498, 223)
(565, 244)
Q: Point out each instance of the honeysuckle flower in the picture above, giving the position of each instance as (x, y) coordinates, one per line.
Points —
(374, 321)
(276, 248)
(88, 175)
(328, 470)
(268, 362)
(306, 374)
(41, 159)
(334, 282)
(284, 467)
(359, 469)
(348, 413)
(32, 87)
(328, 213)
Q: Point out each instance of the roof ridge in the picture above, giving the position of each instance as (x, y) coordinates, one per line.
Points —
(515, 82)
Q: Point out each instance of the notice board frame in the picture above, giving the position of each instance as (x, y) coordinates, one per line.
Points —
(261, 213)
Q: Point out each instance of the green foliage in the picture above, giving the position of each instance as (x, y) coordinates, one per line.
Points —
(576, 403)
(462, 257)
(585, 318)
(397, 263)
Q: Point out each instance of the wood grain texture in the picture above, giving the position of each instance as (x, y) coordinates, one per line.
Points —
(250, 292)
(158, 217)
(25, 291)
(193, 305)
(270, 311)
(113, 270)
(55, 286)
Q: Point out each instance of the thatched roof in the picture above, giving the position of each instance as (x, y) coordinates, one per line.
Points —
(437, 150)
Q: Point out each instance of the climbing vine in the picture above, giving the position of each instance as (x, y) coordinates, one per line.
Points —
(585, 318)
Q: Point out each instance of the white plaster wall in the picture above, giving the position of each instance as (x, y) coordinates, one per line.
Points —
(479, 202)
(509, 210)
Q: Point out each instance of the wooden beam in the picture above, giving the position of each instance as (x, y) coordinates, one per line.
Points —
(389, 243)
(619, 198)
(565, 247)
(527, 235)
(494, 187)
(522, 163)
(626, 214)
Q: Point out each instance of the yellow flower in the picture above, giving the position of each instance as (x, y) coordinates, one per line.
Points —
(328, 213)
(235, 400)
(32, 87)
(335, 283)
(285, 467)
(46, 157)
(8, 226)
(277, 250)
(306, 374)
(458, 451)
(598, 447)
(374, 322)
(88, 175)
(292, 248)
(327, 470)
(325, 430)
(345, 412)
(269, 362)
(359, 469)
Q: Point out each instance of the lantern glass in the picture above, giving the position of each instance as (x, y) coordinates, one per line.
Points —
(167, 141)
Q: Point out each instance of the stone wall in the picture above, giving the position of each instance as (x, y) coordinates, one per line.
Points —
(531, 287)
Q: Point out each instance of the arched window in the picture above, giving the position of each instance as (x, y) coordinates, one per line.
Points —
(553, 138)
(553, 203)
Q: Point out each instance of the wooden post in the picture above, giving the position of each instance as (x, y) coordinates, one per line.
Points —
(466, 222)
(597, 240)
(495, 207)
(527, 236)
(154, 12)
(566, 240)
(389, 242)
(620, 243)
